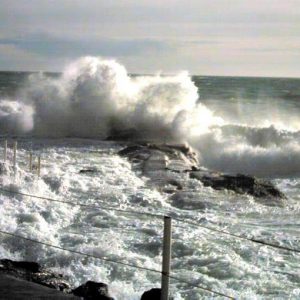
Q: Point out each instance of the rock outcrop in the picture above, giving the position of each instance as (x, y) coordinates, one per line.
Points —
(241, 184)
(32, 271)
(159, 161)
(92, 290)
(153, 294)
(28, 280)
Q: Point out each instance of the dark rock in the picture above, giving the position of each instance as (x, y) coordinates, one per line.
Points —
(162, 163)
(241, 184)
(189, 201)
(153, 294)
(93, 291)
(32, 271)
(175, 184)
(87, 171)
(130, 150)
(12, 288)
(182, 154)
(26, 266)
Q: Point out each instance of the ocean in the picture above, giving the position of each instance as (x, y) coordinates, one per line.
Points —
(236, 125)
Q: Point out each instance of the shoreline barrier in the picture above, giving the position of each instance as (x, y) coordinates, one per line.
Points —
(166, 263)
(30, 162)
(120, 263)
(5, 151)
(15, 147)
(39, 166)
(31, 166)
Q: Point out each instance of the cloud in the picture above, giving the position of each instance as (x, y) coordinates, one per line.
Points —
(203, 36)
(46, 45)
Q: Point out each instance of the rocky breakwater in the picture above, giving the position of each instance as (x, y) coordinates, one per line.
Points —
(28, 280)
(170, 167)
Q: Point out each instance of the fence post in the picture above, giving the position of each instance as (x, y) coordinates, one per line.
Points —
(15, 155)
(30, 161)
(39, 166)
(166, 263)
(5, 151)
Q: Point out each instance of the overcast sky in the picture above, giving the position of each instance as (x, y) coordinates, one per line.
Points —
(206, 37)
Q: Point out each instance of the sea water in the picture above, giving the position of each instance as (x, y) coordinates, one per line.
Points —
(237, 125)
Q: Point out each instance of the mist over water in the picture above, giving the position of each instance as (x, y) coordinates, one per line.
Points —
(96, 98)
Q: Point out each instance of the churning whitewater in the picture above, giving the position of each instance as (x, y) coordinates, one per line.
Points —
(66, 119)
(96, 98)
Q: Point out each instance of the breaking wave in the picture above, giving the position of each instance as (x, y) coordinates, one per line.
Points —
(97, 98)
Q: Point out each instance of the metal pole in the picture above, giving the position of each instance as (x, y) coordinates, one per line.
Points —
(39, 166)
(15, 155)
(5, 151)
(30, 162)
(166, 263)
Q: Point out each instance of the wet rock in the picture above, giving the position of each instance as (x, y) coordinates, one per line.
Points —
(172, 186)
(32, 271)
(88, 171)
(130, 150)
(92, 290)
(162, 156)
(7, 264)
(241, 184)
(153, 294)
(189, 201)
(164, 163)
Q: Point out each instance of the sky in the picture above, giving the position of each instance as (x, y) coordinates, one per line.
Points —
(204, 37)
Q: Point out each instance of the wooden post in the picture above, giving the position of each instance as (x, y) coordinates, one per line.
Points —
(39, 166)
(5, 151)
(30, 161)
(15, 156)
(166, 263)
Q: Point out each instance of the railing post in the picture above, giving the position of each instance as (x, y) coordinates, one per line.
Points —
(39, 166)
(30, 161)
(5, 151)
(166, 263)
(15, 155)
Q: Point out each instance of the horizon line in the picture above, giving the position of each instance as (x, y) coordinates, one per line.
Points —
(164, 74)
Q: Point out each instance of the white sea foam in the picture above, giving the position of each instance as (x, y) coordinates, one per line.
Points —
(95, 98)
(225, 264)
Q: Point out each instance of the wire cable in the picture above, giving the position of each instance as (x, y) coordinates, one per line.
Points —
(110, 208)
(201, 287)
(238, 236)
(80, 253)
(113, 261)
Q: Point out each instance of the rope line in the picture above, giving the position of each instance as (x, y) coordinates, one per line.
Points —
(201, 287)
(114, 261)
(157, 216)
(80, 253)
(238, 236)
(111, 208)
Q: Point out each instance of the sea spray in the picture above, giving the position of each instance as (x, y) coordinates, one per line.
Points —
(95, 98)
(226, 264)
(15, 117)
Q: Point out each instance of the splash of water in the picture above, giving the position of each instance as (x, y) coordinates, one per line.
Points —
(95, 98)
